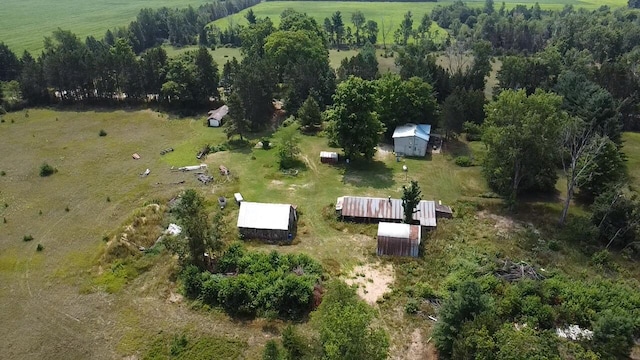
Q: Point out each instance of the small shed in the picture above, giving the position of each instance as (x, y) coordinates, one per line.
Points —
(215, 116)
(398, 239)
(411, 139)
(238, 198)
(328, 157)
(271, 222)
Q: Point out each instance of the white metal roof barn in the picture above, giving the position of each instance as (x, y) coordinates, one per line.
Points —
(398, 239)
(267, 221)
(381, 209)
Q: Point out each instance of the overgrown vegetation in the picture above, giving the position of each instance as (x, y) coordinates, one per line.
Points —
(250, 283)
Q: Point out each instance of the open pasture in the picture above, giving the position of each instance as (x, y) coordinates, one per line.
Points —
(44, 297)
(97, 188)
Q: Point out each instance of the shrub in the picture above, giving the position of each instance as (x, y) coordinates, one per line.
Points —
(473, 131)
(464, 161)
(66, 209)
(411, 307)
(39, 247)
(27, 238)
(3, 173)
(102, 133)
(266, 144)
(47, 170)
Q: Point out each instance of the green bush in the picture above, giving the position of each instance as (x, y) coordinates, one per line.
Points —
(412, 306)
(266, 283)
(39, 247)
(473, 131)
(27, 238)
(47, 170)
(464, 161)
(102, 133)
(3, 173)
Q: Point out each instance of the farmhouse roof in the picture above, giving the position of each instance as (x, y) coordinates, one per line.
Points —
(385, 209)
(218, 113)
(421, 131)
(264, 216)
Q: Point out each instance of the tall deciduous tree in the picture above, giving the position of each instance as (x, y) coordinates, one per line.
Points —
(411, 197)
(405, 30)
(358, 20)
(581, 146)
(401, 101)
(521, 135)
(354, 124)
(345, 326)
(194, 219)
(288, 149)
(364, 65)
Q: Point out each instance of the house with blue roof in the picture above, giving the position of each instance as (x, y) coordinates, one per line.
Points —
(411, 139)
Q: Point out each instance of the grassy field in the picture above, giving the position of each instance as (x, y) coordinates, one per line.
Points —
(389, 13)
(26, 22)
(51, 307)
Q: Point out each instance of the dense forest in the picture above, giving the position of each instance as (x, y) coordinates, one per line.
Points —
(568, 85)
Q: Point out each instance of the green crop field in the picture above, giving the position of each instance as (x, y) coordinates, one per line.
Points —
(25, 23)
(389, 13)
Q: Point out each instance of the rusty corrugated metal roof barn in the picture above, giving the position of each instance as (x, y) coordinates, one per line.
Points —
(398, 239)
(384, 209)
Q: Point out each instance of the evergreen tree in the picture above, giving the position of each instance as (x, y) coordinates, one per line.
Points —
(411, 197)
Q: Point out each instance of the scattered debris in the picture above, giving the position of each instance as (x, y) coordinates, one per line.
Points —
(173, 229)
(145, 173)
(291, 172)
(167, 150)
(574, 332)
(238, 198)
(135, 156)
(192, 167)
(222, 201)
(202, 153)
(432, 318)
(224, 170)
(205, 179)
(511, 271)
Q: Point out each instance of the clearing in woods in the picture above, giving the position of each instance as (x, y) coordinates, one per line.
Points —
(56, 306)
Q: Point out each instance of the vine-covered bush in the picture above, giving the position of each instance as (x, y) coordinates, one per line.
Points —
(250, 283)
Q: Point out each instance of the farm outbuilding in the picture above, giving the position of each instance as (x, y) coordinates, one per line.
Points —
(215, 116)
(398, 239)
(271, 222)
(370, 209)
(328, 157)
(411, 139)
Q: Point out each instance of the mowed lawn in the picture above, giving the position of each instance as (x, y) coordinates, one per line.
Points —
(25, 23)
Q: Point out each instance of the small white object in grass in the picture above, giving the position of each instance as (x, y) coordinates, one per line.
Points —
(173, 229)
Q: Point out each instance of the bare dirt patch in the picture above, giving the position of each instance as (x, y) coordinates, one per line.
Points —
(373, 281)
(503, 225)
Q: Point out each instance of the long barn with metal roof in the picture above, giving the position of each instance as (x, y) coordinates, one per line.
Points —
(371, 209)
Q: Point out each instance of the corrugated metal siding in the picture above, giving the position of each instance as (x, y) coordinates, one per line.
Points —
(385, 209)
(400, 246)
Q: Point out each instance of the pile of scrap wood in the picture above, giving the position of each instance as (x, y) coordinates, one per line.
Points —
(511, 271)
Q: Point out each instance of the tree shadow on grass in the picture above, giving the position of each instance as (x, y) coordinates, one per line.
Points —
(363, 173)
(243, 146)
(455, 148)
